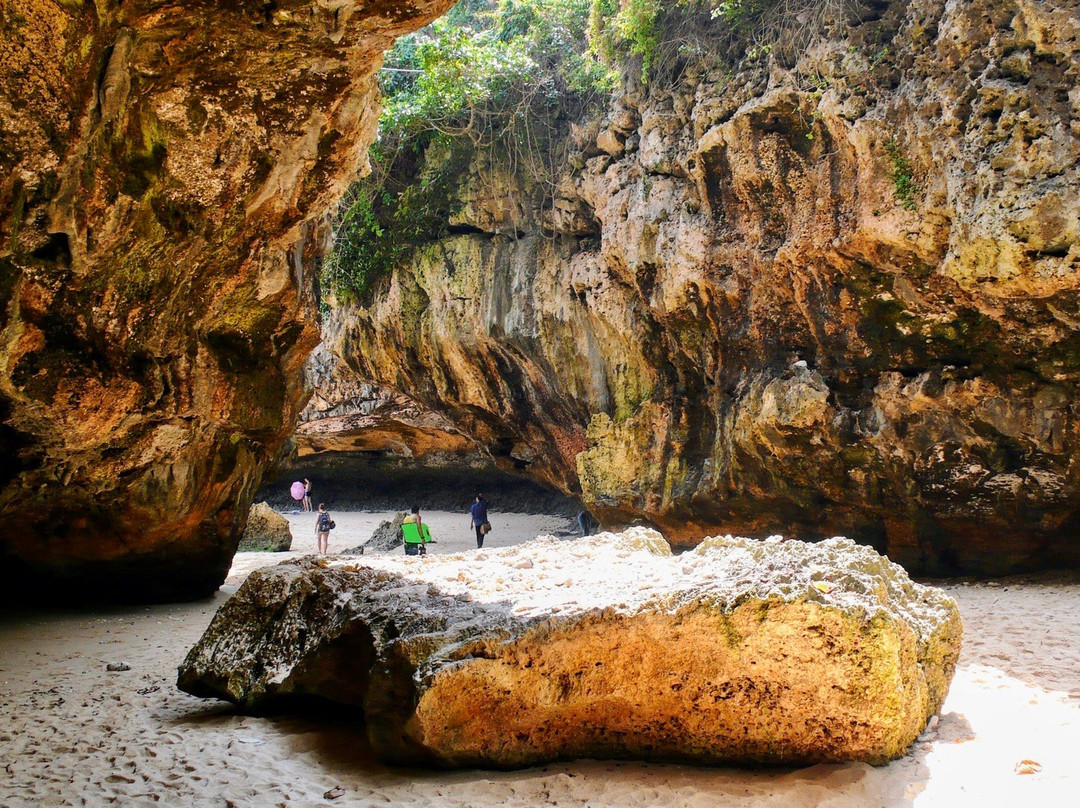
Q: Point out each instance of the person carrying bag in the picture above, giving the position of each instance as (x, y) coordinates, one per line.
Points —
(323, 525)
(415, 533)
(478, 519)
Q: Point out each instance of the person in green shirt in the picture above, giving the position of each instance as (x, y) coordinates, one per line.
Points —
(416, 546)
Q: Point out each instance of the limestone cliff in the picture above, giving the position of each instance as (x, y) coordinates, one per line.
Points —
(838, 297)
(371, 447)
(163, 168)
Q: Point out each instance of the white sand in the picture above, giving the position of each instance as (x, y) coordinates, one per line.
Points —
(72, 733)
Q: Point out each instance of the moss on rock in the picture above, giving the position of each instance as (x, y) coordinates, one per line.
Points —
(742, 651)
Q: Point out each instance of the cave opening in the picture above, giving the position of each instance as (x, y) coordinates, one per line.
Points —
(381, 481)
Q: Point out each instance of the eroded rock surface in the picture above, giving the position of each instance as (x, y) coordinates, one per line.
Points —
(163, 168)
(387, 536)
(266, 529)
(841, 297)
(346, 414)
(744, 651)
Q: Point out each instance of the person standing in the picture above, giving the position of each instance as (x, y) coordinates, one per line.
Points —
(478, 516)
(417, 546)
(307, 494)
(296, 491)
(323, 525)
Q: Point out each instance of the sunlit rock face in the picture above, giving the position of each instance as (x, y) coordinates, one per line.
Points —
(162, 168)
(370, 447)
(836, 298)
(346, 414)
(740, 651)
(266, 530)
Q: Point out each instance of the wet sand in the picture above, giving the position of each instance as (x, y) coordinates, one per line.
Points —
(74, 733)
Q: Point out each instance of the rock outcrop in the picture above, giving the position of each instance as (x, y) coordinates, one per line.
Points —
(370, 447)
(266, 530)
(743, 651)
(346, 414)
(387, 535)
(840, 297)
(163, 170)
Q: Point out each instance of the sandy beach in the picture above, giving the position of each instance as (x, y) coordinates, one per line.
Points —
(73, 732)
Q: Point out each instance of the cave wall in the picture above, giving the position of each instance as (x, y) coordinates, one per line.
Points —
(164, 167)
(836, 297)
(346, 414)
(365, 447)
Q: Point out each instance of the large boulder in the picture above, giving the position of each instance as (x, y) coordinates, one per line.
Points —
(266, 530)
(741, 651)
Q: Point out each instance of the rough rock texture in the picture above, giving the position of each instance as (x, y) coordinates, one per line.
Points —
(266, 530)
(837, 298)
(368, 447)
(387, 535)
(346, 414)
(746, 651)
(163, 165)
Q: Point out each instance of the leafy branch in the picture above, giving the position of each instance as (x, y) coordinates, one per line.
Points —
(505, 79)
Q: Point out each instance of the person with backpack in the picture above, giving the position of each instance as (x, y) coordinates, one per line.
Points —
(323, 525)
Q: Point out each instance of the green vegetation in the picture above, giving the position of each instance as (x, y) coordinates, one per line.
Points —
(904, 186)
(660, 36)
(384, 218)
(485, 66)
(629, 28)
(502, 80)
(500, 77)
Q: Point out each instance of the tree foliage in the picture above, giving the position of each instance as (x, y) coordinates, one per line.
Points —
(508, 76)
(503, 76)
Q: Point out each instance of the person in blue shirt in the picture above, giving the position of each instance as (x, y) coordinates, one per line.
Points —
(478, 516)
